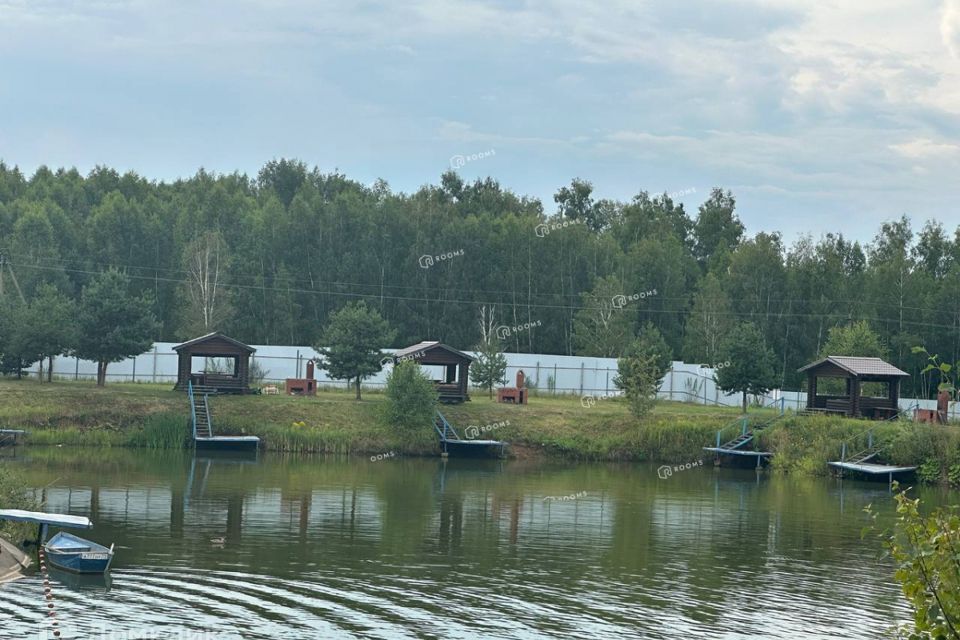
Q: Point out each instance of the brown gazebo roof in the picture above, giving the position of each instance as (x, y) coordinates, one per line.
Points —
(213, 336)
(429, 345)
(858, 366)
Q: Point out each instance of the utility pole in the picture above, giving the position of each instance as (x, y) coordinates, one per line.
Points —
(13, 277)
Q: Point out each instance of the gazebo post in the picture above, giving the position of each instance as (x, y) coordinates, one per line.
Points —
(463, 378)
(855, 397)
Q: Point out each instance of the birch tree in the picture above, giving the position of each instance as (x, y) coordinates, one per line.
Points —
(206, 262)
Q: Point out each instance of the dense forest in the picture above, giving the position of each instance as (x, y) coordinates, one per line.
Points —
(267, 259)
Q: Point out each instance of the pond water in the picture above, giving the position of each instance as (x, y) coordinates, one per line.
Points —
(320, 547)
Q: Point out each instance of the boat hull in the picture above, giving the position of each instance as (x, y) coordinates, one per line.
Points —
(83, 562)
(70, 553)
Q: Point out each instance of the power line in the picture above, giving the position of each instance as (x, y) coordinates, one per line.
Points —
(381, 286)
(375, 296)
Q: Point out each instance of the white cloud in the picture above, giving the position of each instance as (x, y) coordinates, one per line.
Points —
(950, 27)
(925, 148)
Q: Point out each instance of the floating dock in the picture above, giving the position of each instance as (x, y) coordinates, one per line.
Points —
(759, 455)
(737, 446)
(202, 423)
(451, 441)
(11, 436)
(872, 469)
(227, 443)
(859, 461)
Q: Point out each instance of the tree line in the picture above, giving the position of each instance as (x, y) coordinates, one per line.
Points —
(268, 258)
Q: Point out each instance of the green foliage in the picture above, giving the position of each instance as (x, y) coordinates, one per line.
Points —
(650, 342)
(40, 328)
(929, 471)
(112, 324)
(302, 242)
(854, 339)
(13, 495)
(935, 448)
(411, 398)
(752, 367)
(926, 549)
(12, 327)
(944, 370)
(161, 431)
(710, 320)
(638, 376)
(490, 366)
(601, 328)
(717, 229)
(350, 348)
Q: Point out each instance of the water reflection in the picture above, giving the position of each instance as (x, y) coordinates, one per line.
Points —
(329, 548)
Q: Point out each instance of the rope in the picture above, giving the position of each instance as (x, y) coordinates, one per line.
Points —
(48, 592)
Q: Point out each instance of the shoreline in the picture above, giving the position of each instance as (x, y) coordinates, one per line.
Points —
(552, 427)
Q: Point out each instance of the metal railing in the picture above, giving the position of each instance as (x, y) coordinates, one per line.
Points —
(447, 429)
(743, 422)
(193, 409)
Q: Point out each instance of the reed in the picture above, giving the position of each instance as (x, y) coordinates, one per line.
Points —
(161, 431)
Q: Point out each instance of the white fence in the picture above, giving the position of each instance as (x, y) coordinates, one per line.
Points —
(574, 375)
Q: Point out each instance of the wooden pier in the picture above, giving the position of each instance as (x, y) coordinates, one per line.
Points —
(451, 441)
(202, 423)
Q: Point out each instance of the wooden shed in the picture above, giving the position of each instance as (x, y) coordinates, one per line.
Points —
(212, 346)
(452, 386)
(856, 370)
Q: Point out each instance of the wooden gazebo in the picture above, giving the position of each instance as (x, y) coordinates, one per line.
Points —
(214, 345)
(456, 367)
(855, 370)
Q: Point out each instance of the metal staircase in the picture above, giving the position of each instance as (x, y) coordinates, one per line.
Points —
(200, 413)
(746, 435)
(862, 455)
(444, 429)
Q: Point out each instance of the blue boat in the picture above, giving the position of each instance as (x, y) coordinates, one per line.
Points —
(72, 553)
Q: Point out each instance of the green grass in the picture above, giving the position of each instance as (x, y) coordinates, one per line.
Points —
(13, 496)
(145, 415)
(79, 413)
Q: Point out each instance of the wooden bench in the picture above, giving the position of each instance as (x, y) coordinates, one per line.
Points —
(837, 406)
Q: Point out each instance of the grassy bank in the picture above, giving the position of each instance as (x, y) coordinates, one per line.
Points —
(78, 413)
(13, 496)
(143, 415)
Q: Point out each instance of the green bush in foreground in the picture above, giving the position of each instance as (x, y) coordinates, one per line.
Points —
(13, 495)
(927, 552)
(411, 398)
(638, 376)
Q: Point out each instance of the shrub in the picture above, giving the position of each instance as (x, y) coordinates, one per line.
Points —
(411, 397)
(927, 552)
(13, 495)
(638, 376)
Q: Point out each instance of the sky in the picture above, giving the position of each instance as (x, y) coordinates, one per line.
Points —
(819, 116)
